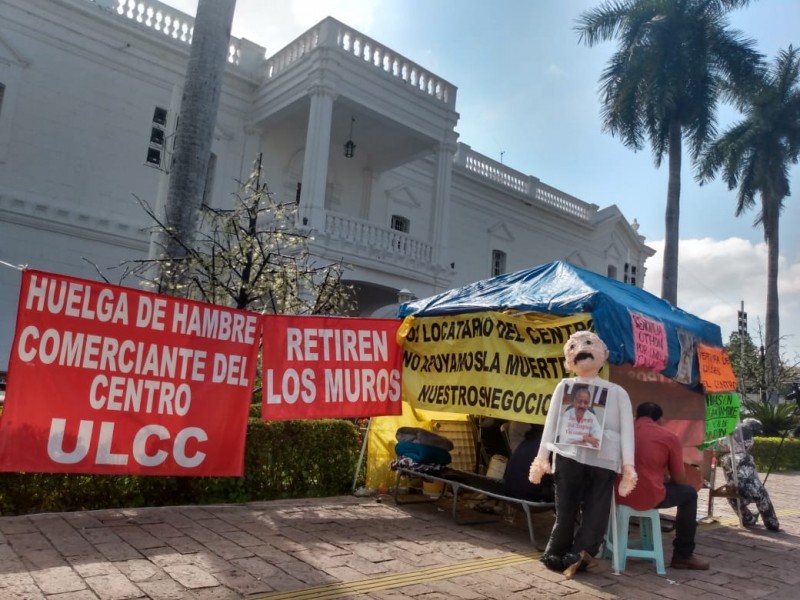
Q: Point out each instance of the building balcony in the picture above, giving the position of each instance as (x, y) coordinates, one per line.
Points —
(364, 244)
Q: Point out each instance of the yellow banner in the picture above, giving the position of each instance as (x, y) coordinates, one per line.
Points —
(486, 363)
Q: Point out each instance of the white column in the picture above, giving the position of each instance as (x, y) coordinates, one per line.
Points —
(315, 160)
(366, 193)
(441, 202)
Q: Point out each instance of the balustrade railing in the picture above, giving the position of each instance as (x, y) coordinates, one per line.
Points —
(564, 202)
(331, 33)
(294, 52)
(391, 243)
(165, 20)
(497, 172)
(526, 185)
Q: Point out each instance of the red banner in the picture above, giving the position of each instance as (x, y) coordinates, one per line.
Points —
(111, 380)
(330, 367)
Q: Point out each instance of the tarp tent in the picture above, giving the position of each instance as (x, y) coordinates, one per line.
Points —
(559, 288)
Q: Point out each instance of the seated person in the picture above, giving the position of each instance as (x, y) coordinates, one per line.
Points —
(749, 488)
(515, 432)
(658, 452)
(517, 483)
(491, 438)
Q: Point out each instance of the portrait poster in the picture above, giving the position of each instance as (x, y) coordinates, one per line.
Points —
(581, 417)
(687, 343)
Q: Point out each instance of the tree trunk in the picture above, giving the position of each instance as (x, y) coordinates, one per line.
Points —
(195, 132)
(771, 220)
(669, 273)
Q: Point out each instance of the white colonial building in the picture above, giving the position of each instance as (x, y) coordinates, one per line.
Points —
(89, 97)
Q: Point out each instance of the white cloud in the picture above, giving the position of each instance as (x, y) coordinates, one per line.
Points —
(715, 276)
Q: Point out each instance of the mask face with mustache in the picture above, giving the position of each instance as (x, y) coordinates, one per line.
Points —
(585, 353)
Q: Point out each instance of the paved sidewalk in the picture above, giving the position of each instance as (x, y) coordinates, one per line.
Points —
(349, 547)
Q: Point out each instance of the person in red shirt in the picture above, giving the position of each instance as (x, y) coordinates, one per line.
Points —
(658, 453)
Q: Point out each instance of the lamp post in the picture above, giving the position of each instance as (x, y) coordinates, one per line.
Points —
(742, 332)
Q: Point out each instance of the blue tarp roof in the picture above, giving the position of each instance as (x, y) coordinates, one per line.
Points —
(562, 289)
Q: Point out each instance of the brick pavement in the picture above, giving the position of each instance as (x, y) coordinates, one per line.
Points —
(349, 547)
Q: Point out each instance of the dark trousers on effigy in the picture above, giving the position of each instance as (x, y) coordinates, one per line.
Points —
(585, 491)
(684, 497)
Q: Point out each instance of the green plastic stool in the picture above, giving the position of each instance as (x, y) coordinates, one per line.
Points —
(650, 546)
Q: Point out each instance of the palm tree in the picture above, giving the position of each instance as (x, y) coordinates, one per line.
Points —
(755, 155)
(198, 114)
(662, 84)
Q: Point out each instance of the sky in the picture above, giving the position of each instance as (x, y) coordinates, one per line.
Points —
(528, 97)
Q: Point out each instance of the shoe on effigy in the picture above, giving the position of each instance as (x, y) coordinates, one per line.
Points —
(692, 563)
(552, 562)
(580, 563)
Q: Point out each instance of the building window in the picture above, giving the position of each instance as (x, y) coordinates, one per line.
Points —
(498, 262)
(158, 129)
(630, 274)
(401, 224)
(612, 272)
(2, 93)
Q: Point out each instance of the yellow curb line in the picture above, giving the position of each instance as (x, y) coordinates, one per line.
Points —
(395, 580)
(341, 589)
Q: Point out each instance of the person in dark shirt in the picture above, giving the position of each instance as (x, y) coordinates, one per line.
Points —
(516, 481)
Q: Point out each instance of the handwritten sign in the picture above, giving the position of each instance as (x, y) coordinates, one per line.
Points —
(650, 342)
(722, 414)
(716, 373)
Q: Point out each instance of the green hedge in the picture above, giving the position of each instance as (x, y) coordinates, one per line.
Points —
(283, 459)
(786, 456)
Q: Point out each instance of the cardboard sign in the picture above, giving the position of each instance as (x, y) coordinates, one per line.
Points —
(111, 380)
(650, 342)
(330, 367)
(716, 372)
(722, 415)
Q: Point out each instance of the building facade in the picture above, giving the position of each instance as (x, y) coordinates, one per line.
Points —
(89, 99)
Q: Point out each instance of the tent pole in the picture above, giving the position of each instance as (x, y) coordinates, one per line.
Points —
(361, 455)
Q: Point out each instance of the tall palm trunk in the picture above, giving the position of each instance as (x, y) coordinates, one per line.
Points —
(771, 220)
(198, 114)
(669, 273)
